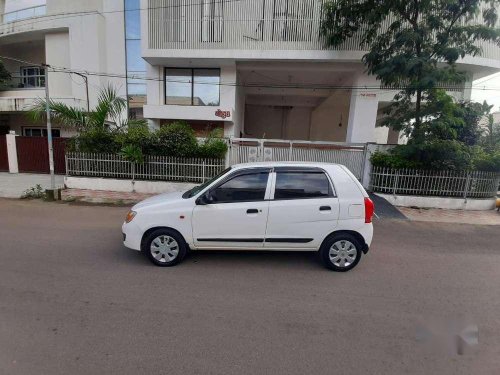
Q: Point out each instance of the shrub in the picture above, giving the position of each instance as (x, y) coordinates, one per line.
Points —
(389, 160)
(489, 162)
(94, 140)
(35, 192)
(176, 139)
(136, 141)
(132, 153)
(138, 135)
(436, 154)
(214, 146)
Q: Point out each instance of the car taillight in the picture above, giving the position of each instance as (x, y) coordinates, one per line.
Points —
(369, 209)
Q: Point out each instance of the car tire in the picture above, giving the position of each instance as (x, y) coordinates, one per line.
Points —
(164, 247)
(341, 252)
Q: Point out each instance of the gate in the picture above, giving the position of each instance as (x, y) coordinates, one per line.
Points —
(4, 159)
(247, 150)
(33, 154)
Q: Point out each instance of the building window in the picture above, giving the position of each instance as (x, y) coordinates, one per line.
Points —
(212, 24)
(197, 87)
(136, 66)
(32, 77)
(40, 132)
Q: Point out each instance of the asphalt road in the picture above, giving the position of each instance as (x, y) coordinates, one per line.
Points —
(74, 301)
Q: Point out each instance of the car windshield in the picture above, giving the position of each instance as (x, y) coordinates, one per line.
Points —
(192, 192)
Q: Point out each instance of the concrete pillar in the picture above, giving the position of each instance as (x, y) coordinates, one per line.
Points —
(362, 116)
(12, 152)
(371, 148)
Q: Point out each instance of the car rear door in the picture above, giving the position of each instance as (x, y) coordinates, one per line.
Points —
(303, 208)
(237, 216)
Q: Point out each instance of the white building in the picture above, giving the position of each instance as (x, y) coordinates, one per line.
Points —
(86, 36)
(258, 68)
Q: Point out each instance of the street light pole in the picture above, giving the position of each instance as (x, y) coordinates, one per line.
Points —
(49, 128)
(86, 87)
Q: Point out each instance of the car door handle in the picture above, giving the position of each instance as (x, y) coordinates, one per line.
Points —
(325, 208)
(252, 211)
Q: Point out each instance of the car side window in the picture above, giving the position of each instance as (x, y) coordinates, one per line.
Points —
(242, 188)
(302, 185)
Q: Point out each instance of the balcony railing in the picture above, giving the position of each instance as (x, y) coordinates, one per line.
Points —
(250, 25)
(24, 82)
(23, 14)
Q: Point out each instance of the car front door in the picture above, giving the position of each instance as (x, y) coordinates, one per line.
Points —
(303, 209)
(235, 212)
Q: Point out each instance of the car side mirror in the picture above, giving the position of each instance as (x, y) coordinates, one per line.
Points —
(205, 198)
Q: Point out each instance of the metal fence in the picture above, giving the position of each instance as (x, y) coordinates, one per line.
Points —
(160, 168)
(352, 155)
(464, 184)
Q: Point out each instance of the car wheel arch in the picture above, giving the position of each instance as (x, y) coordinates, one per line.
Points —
(152, 229)
(357, 235)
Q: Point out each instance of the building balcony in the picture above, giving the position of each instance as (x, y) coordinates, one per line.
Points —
(22, 14)
(252, 29)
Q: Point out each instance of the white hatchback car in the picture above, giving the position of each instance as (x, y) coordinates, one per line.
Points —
(259, 206)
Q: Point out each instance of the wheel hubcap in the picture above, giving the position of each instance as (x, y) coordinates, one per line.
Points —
(164, 249)
(343, 253)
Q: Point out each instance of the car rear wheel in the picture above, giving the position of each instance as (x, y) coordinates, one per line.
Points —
(341, 252)
(164, 247)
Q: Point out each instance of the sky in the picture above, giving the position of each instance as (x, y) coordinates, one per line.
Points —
(492, 95)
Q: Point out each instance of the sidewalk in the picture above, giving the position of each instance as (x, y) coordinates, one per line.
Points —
(101, 196)
(13, 185)
(491, 217)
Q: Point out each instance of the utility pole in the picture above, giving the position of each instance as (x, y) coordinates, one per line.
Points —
(49, 128)
(86, 87)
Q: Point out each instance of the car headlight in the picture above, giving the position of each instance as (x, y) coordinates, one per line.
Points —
(130, 216)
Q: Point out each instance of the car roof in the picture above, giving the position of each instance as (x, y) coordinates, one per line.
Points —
(268, 164)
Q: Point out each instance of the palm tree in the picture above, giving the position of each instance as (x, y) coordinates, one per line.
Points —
(107, 114)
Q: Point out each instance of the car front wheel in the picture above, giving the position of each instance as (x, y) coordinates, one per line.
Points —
(164, 247)
(341, 252)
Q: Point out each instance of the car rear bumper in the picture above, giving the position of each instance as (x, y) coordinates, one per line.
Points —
(366, 230)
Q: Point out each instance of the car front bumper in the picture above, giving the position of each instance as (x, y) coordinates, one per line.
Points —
(132, 236)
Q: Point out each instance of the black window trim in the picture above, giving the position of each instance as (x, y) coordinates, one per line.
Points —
(237, 173)
(192, 84)
(310, 170)
(24, 128)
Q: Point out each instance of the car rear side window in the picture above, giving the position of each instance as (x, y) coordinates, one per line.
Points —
(244, 188)
(301, 185)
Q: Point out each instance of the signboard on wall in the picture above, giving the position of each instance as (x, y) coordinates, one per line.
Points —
(222, 114)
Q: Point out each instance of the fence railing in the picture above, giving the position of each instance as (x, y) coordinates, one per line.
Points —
(160, 168)
(25, 13)
(463, 184)
(352, 155)
(255, 24)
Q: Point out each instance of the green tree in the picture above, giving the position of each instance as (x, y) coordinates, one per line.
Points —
(413, 45)
(490, 139)
(107, 114)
